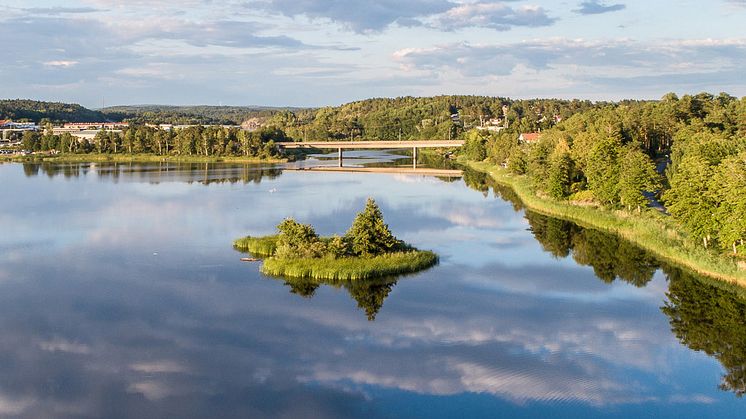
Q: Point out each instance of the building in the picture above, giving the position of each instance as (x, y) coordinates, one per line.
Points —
(492, 125)
(529, 137)
(95, 125)
(252, 124)
(21, 126)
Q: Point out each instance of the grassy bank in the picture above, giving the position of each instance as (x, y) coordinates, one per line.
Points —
(350, 268)
(257, 246)
(329, 268)
(133, 158)
(650, 230)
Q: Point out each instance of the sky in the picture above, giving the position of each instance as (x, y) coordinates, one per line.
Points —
(327, 52)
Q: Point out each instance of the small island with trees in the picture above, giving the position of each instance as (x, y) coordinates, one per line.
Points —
(368, 250)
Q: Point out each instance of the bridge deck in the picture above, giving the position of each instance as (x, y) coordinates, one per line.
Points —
(373, 144)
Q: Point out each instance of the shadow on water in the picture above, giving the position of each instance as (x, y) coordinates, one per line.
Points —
(204, 173)
(369, 294)
(705, 315)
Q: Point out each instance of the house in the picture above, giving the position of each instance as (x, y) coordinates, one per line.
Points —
(492, 125)
(252, 124)
(529, 137)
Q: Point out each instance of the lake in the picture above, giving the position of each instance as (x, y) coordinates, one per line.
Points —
(122, 297)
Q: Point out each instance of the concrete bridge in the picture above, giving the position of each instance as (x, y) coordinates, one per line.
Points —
(370, 145)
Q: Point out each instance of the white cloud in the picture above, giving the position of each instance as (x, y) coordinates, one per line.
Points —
(577, 62)
(497, 16)
(61, 63)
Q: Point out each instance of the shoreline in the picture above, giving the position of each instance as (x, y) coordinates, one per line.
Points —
(650, 231)
(133, 158)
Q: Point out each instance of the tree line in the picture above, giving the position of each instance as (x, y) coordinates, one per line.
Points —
(688, 152)
(192, 141)
(186, 115)
(38, 111)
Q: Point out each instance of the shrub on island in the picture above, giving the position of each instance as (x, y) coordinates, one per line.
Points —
(367, 250)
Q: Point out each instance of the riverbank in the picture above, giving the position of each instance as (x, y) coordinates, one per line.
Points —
(132, 158)
(650, 230)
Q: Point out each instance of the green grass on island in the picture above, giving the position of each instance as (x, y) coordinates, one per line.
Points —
(650, 230)
(368, 250)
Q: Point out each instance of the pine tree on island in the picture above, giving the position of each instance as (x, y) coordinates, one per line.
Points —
(370, 235)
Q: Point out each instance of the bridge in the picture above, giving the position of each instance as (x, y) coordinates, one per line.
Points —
(370, 145)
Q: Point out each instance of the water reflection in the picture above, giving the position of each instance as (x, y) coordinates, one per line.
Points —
(705, 315)
(204, 173)
(127, 300)
(369, 294)
(610, 256)
(710, 318)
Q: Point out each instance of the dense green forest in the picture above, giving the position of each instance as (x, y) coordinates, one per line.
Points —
(440, 117)
(420, 118)
(688, 152)
(189, 115)
(36, 111)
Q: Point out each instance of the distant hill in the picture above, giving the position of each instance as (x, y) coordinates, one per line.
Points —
(163, 114)
(413, 118)
(33, 110)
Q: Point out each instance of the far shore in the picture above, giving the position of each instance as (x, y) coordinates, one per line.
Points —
(132, 158)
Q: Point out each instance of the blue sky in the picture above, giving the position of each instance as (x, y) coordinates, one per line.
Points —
(326, 52)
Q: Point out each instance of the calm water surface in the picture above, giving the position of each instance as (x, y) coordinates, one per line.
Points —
(120, 296)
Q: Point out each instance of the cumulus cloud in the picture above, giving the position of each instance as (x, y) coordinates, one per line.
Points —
(497, 16)
(596, 7)
(622, 59)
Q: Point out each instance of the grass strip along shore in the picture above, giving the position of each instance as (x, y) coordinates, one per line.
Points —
(367, 251)
(650, 230)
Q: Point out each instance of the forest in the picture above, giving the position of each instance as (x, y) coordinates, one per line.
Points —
(686, 156)
(188, 115)
(37, 111)
(421, 118)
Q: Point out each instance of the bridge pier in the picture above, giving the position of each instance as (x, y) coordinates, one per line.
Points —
(414, 157)
(340, 157)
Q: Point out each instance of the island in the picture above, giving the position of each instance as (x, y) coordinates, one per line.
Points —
(368, 250)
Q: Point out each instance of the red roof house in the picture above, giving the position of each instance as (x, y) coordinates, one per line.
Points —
(529, 137)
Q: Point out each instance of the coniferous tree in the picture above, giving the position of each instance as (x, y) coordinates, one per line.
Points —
(369, 234)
